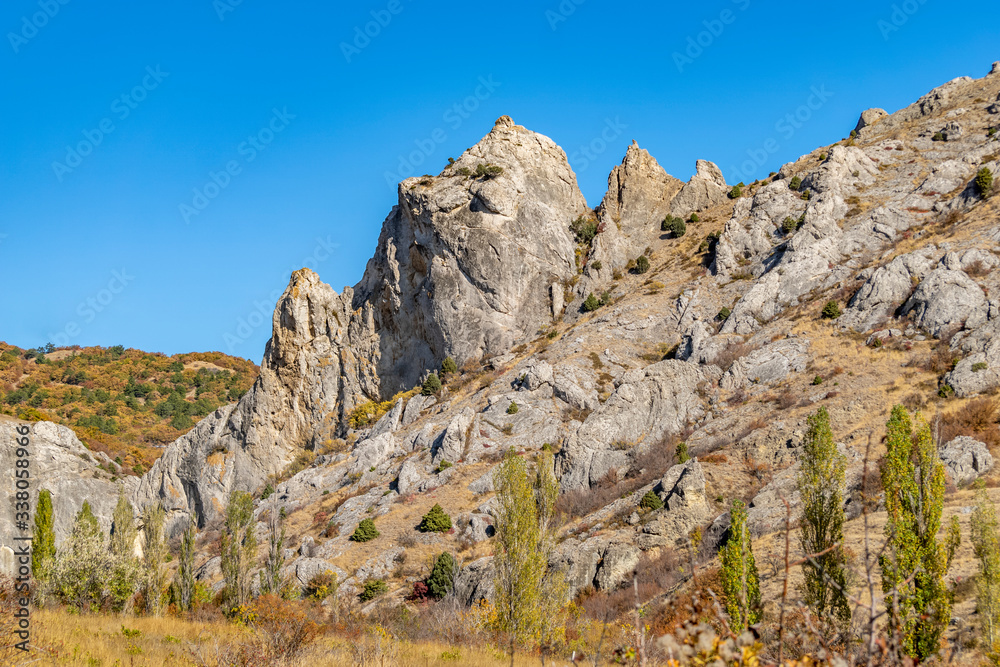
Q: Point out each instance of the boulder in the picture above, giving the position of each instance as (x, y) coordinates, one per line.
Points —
(706, 188)
(966, 459)
(870, 117)
(887, 288)
(474, 582)
(947, 299)
(617, 566)
(768, 365)
(685, 507)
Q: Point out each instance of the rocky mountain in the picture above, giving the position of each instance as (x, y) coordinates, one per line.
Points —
(858, 276)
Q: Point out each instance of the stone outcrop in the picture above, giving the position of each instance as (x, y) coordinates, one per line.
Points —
(706, 188)
(966, 459)
(870, 117)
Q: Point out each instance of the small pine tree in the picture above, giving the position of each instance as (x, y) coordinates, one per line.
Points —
(591, 303)
(431, 386)
(986, 545)
(365, 532)
(651, 501)
(913, 569)
(373, 589)
(512, 408)
(740, 581)
(442, 576)
(795, 183)
(448, 366)
(682, 451)
(43, 539)
(435, 521)
(984, 182)
(642, 264)
(821, 484)
(694, 218)
(831, 310)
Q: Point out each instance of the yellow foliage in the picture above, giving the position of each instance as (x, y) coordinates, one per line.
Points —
(370, 412)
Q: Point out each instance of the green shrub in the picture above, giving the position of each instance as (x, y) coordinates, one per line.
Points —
(365, 532)
(584, 229)
(591, 303)
(822, 156)
(605, 298)
(682, 453)
(464, 171)
(512, 408)
(736, 192)
(435, 521)
(440, 582)
(939, 136)
(449, 366)
(487, 171)
(946, 391)
(373, 589)
(990, 132)
(789, 225)
(984, 182)
(441, 467)
(694, 218)
(596, 265)
(723, 314)
(675, 226)
(266, 493)
(979, 366)
(431, 386)
(642, 264)
(795, 183)
(818, 379)
(651, 501)
(831, 310)
(806, 195)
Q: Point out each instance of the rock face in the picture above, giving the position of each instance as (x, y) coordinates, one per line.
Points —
(870, 117)
(966, 459)
(947, 299)
(61, 464)
(706, 188)
(638, 199)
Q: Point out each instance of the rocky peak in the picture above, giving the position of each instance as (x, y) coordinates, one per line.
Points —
(710, 172)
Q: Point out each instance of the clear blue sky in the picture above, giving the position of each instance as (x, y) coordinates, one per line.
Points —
(199, 79)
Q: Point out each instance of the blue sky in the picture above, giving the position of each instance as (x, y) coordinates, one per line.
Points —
(164, 167)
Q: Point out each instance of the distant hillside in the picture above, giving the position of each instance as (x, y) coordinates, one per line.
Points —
(126, 403)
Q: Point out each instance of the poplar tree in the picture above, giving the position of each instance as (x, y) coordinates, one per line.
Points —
(239, 547)
(913, 570)
(740, 580)
(184, 578)
(986, 545)
(271, 574)
(43, 538)
(123, 530)
(154, 554)
(821, 483)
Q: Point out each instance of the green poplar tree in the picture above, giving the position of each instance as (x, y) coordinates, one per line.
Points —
(123, 530)
(821, 483)
(913, 570)
(43, 538)
(239, 548)
(986, 546)
(184, 578)
(154, 555)
(740, 580)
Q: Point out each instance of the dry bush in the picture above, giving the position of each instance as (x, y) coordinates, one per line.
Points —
(690, 604)
(976, 419)
(914, 402)
(786, 400)
(654, 576)
(977, 269)
(714, 458)
(732, 352)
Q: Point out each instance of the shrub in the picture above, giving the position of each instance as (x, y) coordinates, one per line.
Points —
(642, 264)
(591, 303)
(365, 532)
(789, 225)
(596, 265)
(449, 366)
(373, 589)
(736, 192)
(694, 218)
(678, 228)
(432, 385)
(682, 453)
(723, 314)
(818, 380)
(487, 171)
(979, 366)
(435, 521)
(441, 467)
(939, 136)
(584, 229)
(795, 183)
(440, 582)
(984, 182)
(806, 195)
(651, 501)
(512, 408)
(321, 586)
(831, 310)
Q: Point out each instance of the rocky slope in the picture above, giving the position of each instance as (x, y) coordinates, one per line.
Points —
(720, 344)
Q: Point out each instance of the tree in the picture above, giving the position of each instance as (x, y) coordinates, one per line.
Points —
(154, 554)
(239, 547)
(449, 366)
(365, 532)
(431, 386)
(184, 578)
(651, 501)
(85, 522)
(821, 483)
(442, 578)
(642, 264)
(591, 303)
(43, 539)
(123, 529)
(270, 576)
(740, 580)
(986, 545)
(528, 597)
(984, 182)
(913, 569)
(435, 521)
